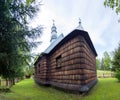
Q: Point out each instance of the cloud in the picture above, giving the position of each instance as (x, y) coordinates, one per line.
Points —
(100, 22)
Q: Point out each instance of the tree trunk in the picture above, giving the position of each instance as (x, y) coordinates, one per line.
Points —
(13, 81)
(6, 82)
(17, 79)
(10, 82)
(0, 82)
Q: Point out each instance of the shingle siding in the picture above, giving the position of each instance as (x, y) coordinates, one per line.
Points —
(78, 64)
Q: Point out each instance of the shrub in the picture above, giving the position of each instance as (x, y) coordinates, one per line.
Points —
(117, 74)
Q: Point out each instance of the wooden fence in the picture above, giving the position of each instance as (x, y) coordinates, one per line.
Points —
(106, 75)
(8, 83)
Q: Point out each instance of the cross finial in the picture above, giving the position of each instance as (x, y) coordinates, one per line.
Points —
(53, 22)
(80, 26)
(79, 21)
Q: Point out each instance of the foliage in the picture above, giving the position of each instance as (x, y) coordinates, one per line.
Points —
(105, 89)
(98, 63)
(101, 64)
(116, 58)
(29, 71)
(106, 61)
(117, 75)
(16, 38)
(116, 62)
(114, 4)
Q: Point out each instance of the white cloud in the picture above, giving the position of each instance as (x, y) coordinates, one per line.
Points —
(100, 22)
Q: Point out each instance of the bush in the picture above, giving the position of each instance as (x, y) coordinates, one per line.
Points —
(117, 74)
(116, 62)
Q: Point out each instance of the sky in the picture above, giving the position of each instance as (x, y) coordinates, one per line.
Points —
(99, 21)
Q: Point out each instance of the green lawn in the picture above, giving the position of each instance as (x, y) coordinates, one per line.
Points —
(106, 89)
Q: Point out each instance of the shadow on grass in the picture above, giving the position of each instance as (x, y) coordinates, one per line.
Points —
(5, 90)
(54, 89)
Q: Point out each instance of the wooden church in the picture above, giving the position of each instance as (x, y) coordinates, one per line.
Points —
(69, 62)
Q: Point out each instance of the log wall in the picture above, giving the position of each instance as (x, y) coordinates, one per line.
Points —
(78, 66)
(41, 71)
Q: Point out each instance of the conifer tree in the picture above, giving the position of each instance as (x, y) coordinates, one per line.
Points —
(16, 38)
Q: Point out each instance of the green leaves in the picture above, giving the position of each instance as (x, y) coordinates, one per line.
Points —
(28, 2)
(116, 58)
(106, 60)
(116, 62)
(98, 63)
(117, 74)
(16, 38)
(114, 4)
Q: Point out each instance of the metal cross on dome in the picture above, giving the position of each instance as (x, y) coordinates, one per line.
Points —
(80, 26)
(53, 22)
(79, 21)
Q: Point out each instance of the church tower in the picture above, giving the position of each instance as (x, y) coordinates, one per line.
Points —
(53, 33)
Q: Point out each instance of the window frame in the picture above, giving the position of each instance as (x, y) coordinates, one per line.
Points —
(59, 61)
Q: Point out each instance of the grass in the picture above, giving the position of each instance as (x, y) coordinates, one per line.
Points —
(106, 89)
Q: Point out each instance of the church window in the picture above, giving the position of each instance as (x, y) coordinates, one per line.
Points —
(58, 61)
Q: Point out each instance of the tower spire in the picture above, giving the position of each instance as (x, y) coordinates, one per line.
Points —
(79, 26)
(79, 21)
(53, 32)
(53, 22)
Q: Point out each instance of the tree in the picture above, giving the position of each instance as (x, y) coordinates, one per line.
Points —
(116, 62)
(29, 71)
(98, 63)
(116, 58)
(114, 4)
(107, 61)
(16, 38)
(101, 64)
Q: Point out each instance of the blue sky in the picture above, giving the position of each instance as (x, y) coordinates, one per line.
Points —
(101, 23)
